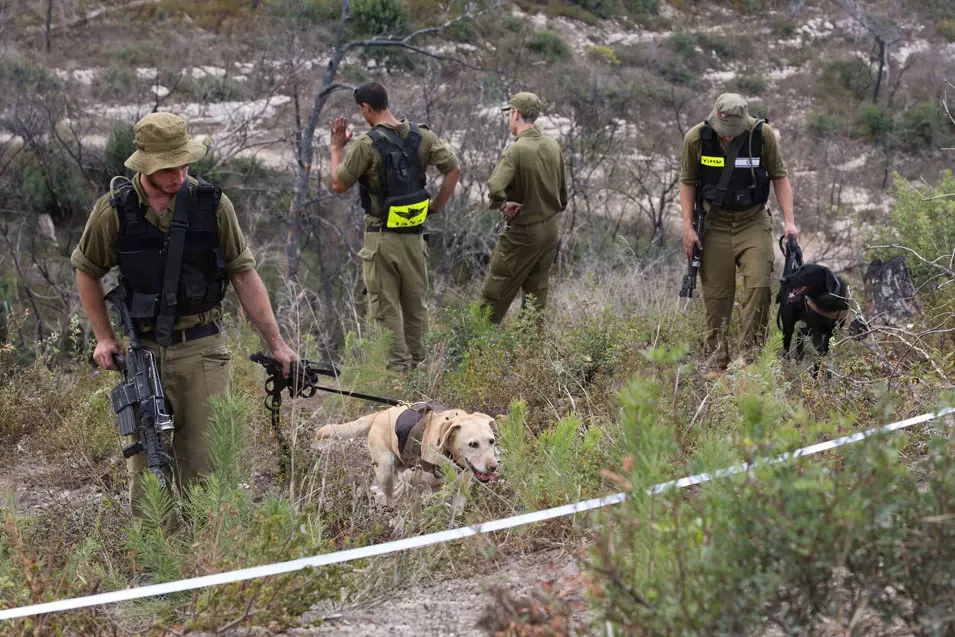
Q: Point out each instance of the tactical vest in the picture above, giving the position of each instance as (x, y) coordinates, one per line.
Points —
(749, 181)
(402, 200)
(203, 277)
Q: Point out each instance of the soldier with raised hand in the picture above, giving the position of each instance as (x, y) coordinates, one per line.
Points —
(389, 164)
(529, 188)
(729, 162)
(178, 320)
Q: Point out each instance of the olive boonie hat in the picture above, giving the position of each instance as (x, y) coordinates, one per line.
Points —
(527, 104)
(730, 115)
(163, 142)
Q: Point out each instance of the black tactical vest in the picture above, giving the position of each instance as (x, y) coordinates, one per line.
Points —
(401, 179)
(203, 277)
(749, 182)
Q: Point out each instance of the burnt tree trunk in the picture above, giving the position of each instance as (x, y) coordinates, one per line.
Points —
(891, 292)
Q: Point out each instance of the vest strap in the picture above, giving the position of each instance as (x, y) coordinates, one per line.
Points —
(175, 247)
(728, 169)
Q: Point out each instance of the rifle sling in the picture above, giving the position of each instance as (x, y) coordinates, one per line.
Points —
(731, 152)
(175, 247)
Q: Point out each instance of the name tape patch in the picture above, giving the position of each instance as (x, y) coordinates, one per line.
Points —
(716, 162)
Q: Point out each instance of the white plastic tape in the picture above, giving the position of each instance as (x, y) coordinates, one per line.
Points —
(435, 538)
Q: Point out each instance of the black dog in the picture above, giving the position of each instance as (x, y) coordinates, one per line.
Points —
(812, 295)
(817, 298)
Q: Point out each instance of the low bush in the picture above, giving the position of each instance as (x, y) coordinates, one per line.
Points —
(548, 45)
(791, 547)
(946, 28)
(751, 84)
(602, 55)
(850, 77)
(823, 125)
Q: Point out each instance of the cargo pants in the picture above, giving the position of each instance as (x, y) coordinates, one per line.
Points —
(191, 372)
(521, 262)
(731, 241)
(395, 273)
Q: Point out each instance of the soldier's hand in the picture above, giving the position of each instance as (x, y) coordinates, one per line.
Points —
(510, 209)
(339, 133)
(284, 354)
(790, 230)
(690, 240)
(103, 354)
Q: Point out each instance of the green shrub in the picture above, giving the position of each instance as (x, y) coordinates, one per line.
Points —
(823, 125)
(924, 126)
(793, 546)
(57, 188)
(682, 44)
(946, 28)
(847, 77)
(120, 145)
(875, 124)
(115, 82)
(548, 45)
(378, 17)
(716, 44)
(923, 221)
(783, 28)
(27, 75)
(674, 71)
(641, 7)
(751, 84)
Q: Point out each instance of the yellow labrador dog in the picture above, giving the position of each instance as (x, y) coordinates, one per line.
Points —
(420, 437)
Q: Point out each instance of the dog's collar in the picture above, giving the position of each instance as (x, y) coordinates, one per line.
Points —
(841, 315)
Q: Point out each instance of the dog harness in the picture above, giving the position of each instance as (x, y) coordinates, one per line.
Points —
(409, 427)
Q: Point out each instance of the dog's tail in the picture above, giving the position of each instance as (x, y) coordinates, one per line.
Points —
(351, 429)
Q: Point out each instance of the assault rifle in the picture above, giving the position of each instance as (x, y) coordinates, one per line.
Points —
(138, 399)
(689, 279)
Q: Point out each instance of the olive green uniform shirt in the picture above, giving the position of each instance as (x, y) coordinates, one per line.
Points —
(364, 161)
(530, 172)
(771, 158)
(96, 253)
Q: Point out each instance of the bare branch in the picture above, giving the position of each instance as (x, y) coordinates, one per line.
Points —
(947, 271)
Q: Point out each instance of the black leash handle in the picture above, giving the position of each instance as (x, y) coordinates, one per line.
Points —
(302, 382)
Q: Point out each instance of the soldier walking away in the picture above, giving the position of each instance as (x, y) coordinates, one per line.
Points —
(729, 161)
(529, 188)
(389, 163)
(163, 211)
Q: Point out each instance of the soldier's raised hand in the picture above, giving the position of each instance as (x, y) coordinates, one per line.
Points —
(339, 133)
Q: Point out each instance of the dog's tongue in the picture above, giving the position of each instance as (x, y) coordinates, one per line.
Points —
(486, 476)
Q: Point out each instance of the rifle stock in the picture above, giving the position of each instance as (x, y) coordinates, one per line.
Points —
(138, 400)
(696, 260)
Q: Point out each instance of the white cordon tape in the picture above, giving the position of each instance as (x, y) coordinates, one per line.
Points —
(435, 538)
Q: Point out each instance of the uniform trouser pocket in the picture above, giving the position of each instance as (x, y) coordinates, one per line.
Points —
(369, 275)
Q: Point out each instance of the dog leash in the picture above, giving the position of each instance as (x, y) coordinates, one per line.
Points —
(302, 382)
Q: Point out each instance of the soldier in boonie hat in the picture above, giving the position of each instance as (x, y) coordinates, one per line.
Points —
(177, 306)
(527, 104)
(162, 142)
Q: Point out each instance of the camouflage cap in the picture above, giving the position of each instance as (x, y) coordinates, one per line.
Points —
(527, 104)
(730, 115)
(163, 142)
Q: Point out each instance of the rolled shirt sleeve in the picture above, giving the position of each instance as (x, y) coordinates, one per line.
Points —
(95, 254)
(775, 165)
(357, 162)
(501, 178)
(238, 256)
(440, 155)
(692, 151)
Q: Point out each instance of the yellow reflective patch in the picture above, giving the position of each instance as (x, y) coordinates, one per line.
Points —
(716, 162)
(408, 216)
